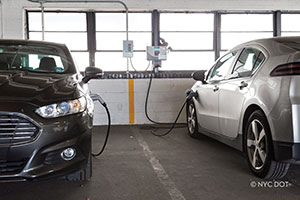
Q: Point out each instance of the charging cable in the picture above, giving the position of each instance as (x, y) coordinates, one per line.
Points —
(189, 95)
(97, 97)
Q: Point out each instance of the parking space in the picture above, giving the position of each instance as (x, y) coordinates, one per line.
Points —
(138, 165)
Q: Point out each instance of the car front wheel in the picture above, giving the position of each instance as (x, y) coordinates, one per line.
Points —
(192, 122)
(258, 148)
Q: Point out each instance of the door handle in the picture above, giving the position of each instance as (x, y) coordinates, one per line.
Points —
(243, 85)
(216, 88)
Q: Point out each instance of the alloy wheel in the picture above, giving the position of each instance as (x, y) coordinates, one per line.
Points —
(257, 146)
(191, 118)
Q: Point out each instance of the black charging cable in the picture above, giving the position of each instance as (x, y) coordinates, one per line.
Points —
(189, 94)
(146, 108)
(97, 97)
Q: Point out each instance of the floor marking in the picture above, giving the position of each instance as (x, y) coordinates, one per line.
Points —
(131, 100)
(162, 175)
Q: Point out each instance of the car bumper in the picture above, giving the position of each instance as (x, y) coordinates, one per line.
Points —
(41, 158)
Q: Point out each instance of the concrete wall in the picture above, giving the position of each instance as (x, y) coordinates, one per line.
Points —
(167, 94)
(165, 100)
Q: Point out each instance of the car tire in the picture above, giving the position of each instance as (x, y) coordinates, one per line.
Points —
(191, 118)
(259, 149)
(84, 174)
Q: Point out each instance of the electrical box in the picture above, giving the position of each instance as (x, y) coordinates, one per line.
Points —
(156, 53)
(127, 48)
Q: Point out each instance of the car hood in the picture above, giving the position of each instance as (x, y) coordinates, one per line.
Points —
(38, 88)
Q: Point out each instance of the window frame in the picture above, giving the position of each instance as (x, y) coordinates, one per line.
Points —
(216, 32)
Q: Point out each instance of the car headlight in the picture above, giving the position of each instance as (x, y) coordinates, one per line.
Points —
(63, 108)
(90, 106)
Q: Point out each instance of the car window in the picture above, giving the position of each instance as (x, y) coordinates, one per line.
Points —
(248, 61)
(35, 58)
(222, 67)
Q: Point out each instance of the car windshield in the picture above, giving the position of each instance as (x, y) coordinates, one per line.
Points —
(36, 58)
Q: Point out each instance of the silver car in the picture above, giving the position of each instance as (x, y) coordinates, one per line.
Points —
(250, 100)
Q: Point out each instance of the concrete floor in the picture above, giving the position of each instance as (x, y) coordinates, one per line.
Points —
(139, 166)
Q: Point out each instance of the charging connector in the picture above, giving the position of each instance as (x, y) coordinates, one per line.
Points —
(190, 94)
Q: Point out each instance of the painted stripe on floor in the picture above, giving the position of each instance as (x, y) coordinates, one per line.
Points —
(162, 175)
(131, 100)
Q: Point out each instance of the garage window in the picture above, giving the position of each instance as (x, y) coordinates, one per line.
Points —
(62, 27)
(239, 28)
(110, 33)
(190, 36)
(289, 24)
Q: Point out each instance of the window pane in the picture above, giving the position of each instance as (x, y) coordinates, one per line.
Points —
(35, 21)
(65, 22)
(111, 61)
(140, 40)
(290, 22)
(117, 22)
(229, 40)
(246, 22)
(114, 41)
(74, 41)
(57, 21)
(35, 35)
(186, 22)
(110, 41)
(139, 21)
(70, 39)
(189, 40)
(81, 59)
(110, 22)
(290, 33)
(188, 61)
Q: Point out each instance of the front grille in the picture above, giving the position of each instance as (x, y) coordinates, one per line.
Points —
(11, 167)
(15, 129)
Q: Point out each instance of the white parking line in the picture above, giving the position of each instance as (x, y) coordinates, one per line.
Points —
(162, 175)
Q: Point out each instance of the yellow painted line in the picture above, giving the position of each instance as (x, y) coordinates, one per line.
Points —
(131, 100)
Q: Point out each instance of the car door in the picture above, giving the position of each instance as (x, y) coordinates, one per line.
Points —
(233, 91)
(207, 105)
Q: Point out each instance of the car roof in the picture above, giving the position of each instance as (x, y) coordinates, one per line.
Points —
(275, 45)
(36, 42)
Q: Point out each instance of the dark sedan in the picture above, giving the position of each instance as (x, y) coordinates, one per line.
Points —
(46, 112)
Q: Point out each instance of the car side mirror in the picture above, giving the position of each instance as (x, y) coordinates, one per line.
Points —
(92, 73)
(199, 75)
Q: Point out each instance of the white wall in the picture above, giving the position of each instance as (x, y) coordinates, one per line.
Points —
(167, 94)
(165, 100)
